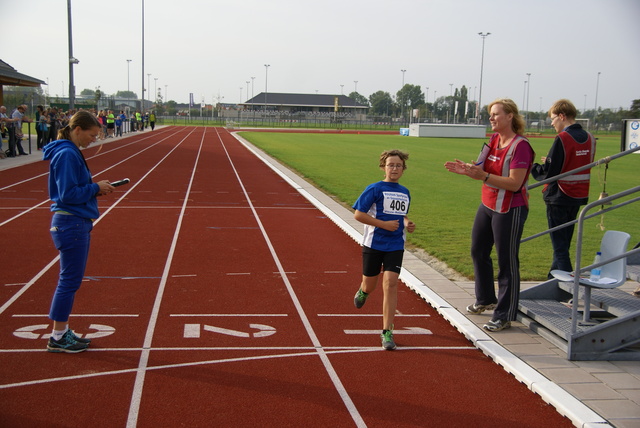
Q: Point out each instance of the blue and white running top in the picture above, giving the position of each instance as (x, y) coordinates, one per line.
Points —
(385, 201)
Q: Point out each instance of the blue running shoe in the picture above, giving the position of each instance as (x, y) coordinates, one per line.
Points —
(76, 338)
(66, 344)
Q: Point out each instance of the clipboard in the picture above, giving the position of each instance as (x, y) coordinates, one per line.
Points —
(484, 152)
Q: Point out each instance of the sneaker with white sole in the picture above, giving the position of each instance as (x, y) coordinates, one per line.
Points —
(477, 309)
(497, 325)
(387, 340)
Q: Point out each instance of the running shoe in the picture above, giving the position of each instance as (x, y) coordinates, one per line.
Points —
(387, 340)
(477, 309)
(70, 333)
(66, 344)
(360, 298)
(497, 325)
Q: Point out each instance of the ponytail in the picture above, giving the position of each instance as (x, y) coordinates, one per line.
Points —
(64, 133)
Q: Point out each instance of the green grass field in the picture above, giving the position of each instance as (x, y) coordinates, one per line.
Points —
(444, 204)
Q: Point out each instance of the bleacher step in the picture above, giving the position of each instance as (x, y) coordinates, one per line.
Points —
(615, 301)
(553, 315)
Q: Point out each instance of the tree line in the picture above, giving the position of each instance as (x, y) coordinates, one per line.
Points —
(443, 109)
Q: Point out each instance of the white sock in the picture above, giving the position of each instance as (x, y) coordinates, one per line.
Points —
(57, 334)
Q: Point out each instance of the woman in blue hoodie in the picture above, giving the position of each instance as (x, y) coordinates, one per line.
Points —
(74, 207)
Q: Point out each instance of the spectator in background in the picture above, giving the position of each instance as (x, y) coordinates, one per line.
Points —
(123, 118)
(152, 120)
(111, 124)
(134, 122)
(39, 132)
(5, 123)
(15, 131)
(42, 118)
(118, 120)
(102, 118)
(573, 147)
(53, 124)
(139, 122)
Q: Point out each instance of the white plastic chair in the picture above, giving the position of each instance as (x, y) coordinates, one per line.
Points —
(614, 243)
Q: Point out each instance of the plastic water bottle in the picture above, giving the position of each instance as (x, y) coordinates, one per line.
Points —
(595, 272)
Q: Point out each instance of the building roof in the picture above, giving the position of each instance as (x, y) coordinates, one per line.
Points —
(10, 77)
(303, 100)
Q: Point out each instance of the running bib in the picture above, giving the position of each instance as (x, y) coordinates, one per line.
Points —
(395, 203)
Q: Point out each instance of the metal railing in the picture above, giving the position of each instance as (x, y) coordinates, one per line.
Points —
(582, 216)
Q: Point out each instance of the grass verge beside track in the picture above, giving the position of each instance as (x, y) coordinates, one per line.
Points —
(444, 204)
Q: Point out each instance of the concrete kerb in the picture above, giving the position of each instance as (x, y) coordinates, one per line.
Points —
(566, 404)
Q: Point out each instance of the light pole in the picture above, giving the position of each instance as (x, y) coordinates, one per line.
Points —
(247, 88)
(155, 89)
(72, 61)
(142, 103)
(597, 84)
(128, 63)
(584, 110)
(341, 89)
(266, 79)
(528, 90)
(479, 106)
(148, 84)
(403, 71)
(355, 94)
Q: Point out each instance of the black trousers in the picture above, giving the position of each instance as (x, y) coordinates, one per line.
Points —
(561, 239)
(504, 231)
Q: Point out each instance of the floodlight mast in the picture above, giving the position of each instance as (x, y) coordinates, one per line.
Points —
(479, 106)
(72, 61)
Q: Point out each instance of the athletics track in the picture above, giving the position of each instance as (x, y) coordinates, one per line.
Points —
(217, 295)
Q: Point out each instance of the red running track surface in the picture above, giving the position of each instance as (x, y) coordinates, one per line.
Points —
(216, 295)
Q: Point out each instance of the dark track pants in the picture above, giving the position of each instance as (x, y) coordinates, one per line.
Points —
(505, 231)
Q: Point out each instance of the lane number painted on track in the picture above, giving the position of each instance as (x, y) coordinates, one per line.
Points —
(31, 331)
(193, 330)
(407, 330)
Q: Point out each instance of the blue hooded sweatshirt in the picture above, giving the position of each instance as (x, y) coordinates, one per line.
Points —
(70, 183)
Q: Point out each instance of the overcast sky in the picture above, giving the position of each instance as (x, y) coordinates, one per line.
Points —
(212, 48)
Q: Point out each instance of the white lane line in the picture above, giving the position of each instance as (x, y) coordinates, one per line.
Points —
(78, 315)
(229, 315)
(333, 375)
(134, 407)
(310, 352)
(373, 315)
